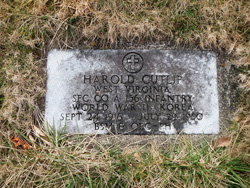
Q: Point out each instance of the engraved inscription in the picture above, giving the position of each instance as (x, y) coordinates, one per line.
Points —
(150, 97)
(138, 96)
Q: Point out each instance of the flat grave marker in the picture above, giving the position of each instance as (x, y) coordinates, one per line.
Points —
(132, 92)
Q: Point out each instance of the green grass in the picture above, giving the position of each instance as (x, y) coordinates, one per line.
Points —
(98, 165)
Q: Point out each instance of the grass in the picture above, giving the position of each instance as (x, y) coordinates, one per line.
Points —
(75, 161)
(92, 164)
(28, 29)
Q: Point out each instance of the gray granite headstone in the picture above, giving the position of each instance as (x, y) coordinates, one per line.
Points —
(132, 91)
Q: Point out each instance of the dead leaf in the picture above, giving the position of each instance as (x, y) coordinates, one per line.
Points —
(93, 43)
(19, 142)
(223, 65)
(221, 142)
(39, 133)
(32, 140)
(106, 47)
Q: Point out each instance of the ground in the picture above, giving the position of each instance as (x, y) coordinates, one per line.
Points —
(29, 29)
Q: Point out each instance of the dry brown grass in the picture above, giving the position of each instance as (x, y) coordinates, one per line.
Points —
(28, 29)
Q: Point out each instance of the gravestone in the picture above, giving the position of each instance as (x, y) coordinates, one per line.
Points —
(132, 92)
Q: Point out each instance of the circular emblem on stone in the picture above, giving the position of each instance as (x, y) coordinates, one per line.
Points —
(132, 62)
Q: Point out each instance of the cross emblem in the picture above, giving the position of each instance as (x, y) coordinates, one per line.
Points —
(132, 62)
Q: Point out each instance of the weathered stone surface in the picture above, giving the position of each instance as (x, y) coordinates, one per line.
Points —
(132, 91)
